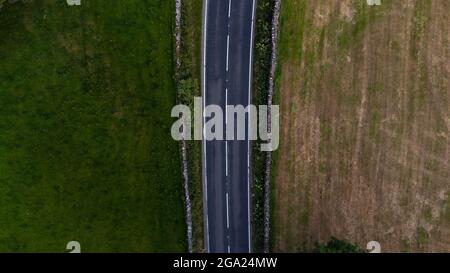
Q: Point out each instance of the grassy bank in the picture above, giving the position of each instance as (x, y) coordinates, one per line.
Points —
(261, 71)
(188, 88)
(85, 146)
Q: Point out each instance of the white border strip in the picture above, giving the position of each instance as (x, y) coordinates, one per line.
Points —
(228, 212)
(249, 127)
(205, 176)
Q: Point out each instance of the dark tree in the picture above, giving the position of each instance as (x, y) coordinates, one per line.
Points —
(2, 2)
(336, 246)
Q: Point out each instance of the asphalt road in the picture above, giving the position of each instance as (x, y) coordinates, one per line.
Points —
(227, 60)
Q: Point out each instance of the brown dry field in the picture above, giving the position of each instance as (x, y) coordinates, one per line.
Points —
(364, 152)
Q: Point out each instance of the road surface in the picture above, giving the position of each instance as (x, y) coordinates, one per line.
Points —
(226, 74)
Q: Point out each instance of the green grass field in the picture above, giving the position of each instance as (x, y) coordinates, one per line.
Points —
(85, 146)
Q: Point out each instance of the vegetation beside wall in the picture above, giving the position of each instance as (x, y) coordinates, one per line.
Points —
(261, 70)
(188, 88)
(336, 246)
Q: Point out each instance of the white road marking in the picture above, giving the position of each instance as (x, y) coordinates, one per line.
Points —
(226, 103)
(204, 122)
(226, 119)
(226, 158)
(228, 212)
(226, 109)
(249, 127)
(226, 91)
(228, 51)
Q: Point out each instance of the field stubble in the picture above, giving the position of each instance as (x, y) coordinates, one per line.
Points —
(365, 118)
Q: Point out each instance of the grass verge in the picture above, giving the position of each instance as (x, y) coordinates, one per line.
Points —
(261, 71)
(189, 87)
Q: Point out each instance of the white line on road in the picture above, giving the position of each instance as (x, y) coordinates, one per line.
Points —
(249, 127)
(226, 89)
(226, 103)
(226, 120)
(228, 212)
(226, 108)
(228, 51)
(204, 122)
(226, 141)
(226, 158)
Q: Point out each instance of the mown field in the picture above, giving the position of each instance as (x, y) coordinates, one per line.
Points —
(365, 125)
(85, 146)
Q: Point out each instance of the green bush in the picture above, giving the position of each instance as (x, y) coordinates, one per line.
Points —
(336, 246)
